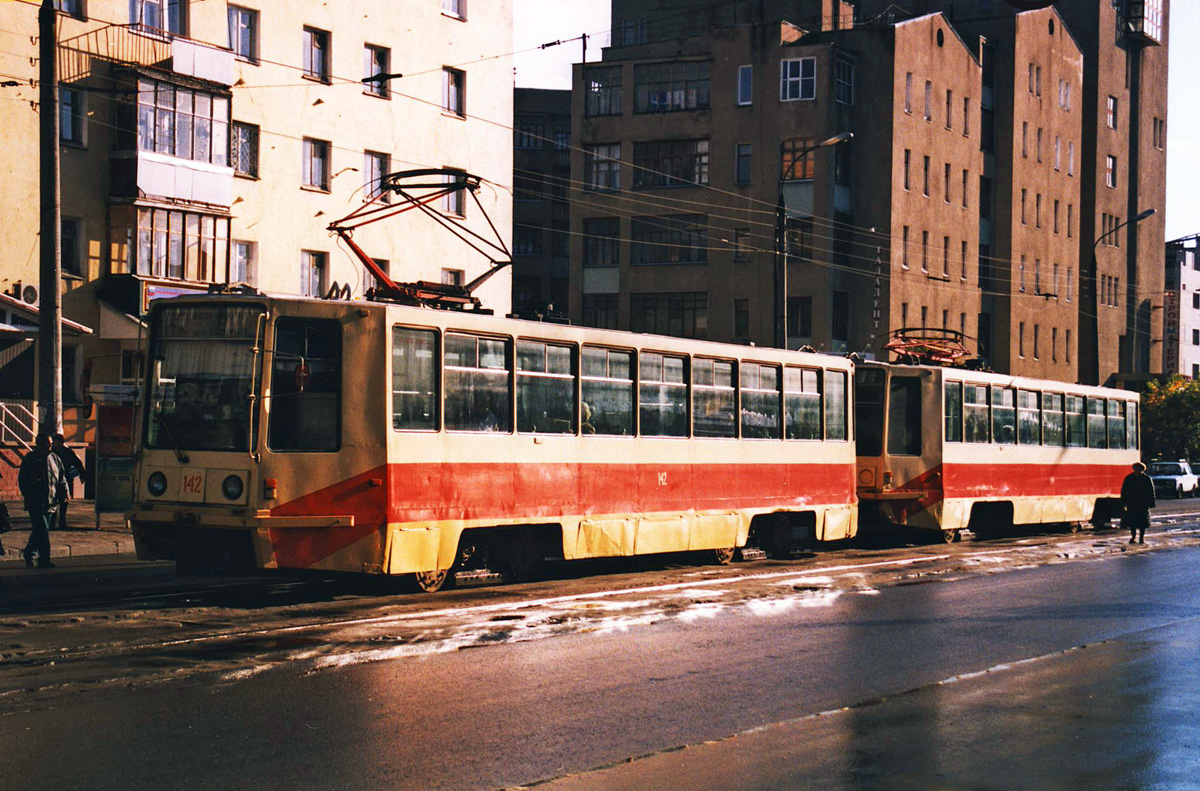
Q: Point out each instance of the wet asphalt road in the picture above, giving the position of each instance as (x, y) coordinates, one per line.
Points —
(1092, 684)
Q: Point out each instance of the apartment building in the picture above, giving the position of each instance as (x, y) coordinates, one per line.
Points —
(1181, 309)
(541, 213)
(213, 142)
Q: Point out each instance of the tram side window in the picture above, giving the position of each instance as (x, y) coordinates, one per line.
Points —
(1131, 426)
(835, 405)
(714, 398)
(545, 388)
(1004, 416)
(306, 385)
(802, 402)
(1076, 423)
(477, 383)
(663, 395)
(868, 411)
(760, 401)
(1116, 423)
(1052, 420)
(414, 379)
(954, 411)
(607, 392)
(1029, 418)
(1097, 430)
(904, 416)
(975, 413)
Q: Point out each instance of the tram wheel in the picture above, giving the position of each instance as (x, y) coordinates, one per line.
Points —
(430, 581)
(950, 536)
(723, 556)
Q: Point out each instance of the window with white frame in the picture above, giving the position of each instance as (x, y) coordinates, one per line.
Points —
(529, 131)
(316, 54)
(454, 92)
(928, 100)
(843, 81)
(313, 273)
(243, 33)
(182, 122)
(241, 262)
(168, 243)
(1110, 118)
(72, 116)
(672, 87)
(72, 7)
(745, 93)
(166, 16)
(453, 202)
(243, 147)
(602, 166)
(455, 8)
(316, 164)
(1110, 171)
(376, 165)
(376, 63)
(798, 79)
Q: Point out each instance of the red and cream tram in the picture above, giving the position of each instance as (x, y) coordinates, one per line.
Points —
(376, 438)
(948, 448)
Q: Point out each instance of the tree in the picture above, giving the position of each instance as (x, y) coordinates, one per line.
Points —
(1171, 419)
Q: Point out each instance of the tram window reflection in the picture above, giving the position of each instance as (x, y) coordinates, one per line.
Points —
(954, 411)
(306, 385)
(607, 392)
(1029, 417)
(868, 410)
(414, 379)
(835, 405)
(802, 402)
(714, 398)
(1116, 424)
(1004, 416)
(477, 383)
(904, 416)
(1052, 420)
(545, 388)
(1131, 425)
(1097, 429)
(976, 423)
(1076, 422)
(662, 395)
(760, 401)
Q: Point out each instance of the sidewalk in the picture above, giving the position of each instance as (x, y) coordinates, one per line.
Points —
(113, 537)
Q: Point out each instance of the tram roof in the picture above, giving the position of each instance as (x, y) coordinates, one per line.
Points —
(1007, 380)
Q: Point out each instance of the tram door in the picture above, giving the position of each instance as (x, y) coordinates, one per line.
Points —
(870, 389)
(888, 408)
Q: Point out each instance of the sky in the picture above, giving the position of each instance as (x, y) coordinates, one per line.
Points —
(541, 21)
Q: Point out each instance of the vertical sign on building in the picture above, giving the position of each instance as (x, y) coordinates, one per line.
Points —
(1170, 332)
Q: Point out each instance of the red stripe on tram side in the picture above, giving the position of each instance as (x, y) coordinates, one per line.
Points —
(1032, 480)
(453, 491)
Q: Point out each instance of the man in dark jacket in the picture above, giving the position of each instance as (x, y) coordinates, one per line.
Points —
(1137, 498)
(73, 468)
(43, 486)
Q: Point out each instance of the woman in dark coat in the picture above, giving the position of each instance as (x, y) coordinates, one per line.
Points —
(1137, 498)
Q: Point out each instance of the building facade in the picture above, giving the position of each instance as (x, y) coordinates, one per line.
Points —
(206, 143)
(1181, 309)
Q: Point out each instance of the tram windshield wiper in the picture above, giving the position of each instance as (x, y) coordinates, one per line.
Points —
(179, 454)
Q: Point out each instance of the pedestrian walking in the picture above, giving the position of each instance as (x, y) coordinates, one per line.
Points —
(43, 486)
(73, 468)
(1137, 498)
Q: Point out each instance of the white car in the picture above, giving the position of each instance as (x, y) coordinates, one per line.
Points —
(1173, 479)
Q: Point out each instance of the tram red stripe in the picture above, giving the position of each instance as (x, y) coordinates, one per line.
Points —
(453, 491)
(1031, 480)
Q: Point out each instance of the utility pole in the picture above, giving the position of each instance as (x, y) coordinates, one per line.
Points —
(50, 300)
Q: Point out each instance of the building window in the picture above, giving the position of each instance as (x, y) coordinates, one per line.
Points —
(743, 163)
(963, 261)
(797, 79)
(1054, 344)
(907, 167)
(745, 90)
(741, 245)
(670, 163)
(1070, 283)
(72, 242)
(669, 239)
(925, 252)
(376, 64)
(799, 317)
(928, 100)
(602, 167)
(946, 183)
(601, 241)
(964, 188)
(241, 263)
(1070, 158)
(1037, 337)
(1021, 274)
(1024, 204)
(600, 311)
(1064, 95)
(562, 137)
(1070, 220)
(904, 247)
(741, 319)
(843, 81)
(527, 240)
(966, 116)
(529, 132)
(671, 87)
(682, 315)
(1025, 139)
(1039, 144)
(908, 92)
(1057, 152)
(1110, 171)
(243, 145)
(455, 8)
(313, 272)
(375, 166)
(949, 109)
(183, 123)
(167, 16)
(529, 185)
(1160, 134)
(1110, 117)
(604, 93)
(243, 33)
(1021, 339)
(925, 179)
(316, 164)
(454, 92)
(1056, 216)
(72, 116)
(796, 162)
(316, 54)
(1037, 210)
(946, 256)
(453, 202)
(165, 243)
(71, 7)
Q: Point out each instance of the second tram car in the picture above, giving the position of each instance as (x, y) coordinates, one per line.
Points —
(375, 438)
(949, 448)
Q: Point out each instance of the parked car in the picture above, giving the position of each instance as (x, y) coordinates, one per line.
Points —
(1173, 479)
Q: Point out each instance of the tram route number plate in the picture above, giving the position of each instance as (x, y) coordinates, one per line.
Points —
(191, 485)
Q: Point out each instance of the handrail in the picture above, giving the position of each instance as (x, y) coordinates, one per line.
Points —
(11, 413)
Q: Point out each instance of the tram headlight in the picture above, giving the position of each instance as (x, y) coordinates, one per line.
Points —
(156, 484)
(232, 487)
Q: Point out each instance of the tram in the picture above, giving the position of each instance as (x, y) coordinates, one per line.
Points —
(948, 449)
(377, 438)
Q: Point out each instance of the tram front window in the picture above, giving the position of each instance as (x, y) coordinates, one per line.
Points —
(868, 410)
(201, 378)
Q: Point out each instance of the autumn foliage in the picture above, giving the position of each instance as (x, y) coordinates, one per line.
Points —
(1171, 419)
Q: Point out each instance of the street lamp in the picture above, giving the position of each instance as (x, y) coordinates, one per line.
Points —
(1092, 308)
(781, 252)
